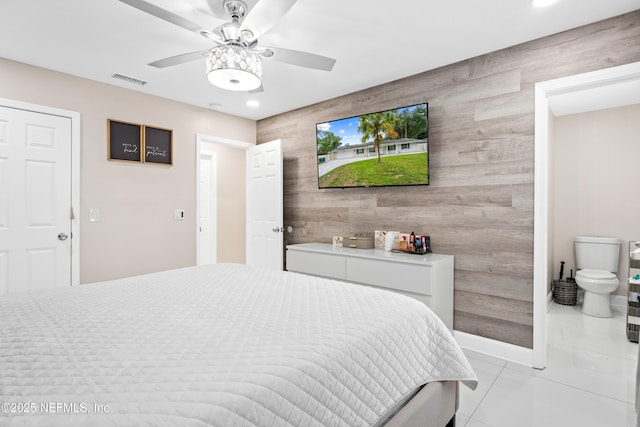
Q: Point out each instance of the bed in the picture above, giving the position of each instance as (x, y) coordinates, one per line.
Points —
(226, 345)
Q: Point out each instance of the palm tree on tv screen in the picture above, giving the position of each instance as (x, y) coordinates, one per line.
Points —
(377, 127)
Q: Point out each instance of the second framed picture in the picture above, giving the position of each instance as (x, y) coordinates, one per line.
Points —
(158, 144)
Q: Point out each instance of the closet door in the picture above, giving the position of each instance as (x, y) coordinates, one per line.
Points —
(35, 201)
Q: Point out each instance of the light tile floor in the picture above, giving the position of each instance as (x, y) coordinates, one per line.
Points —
(589, 380)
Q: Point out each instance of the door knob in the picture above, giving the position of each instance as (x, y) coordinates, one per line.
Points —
(62, 236)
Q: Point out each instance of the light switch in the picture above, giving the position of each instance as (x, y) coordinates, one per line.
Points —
(179, 214)
(94, 215)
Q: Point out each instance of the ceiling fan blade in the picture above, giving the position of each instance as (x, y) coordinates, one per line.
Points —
(265, 14)
(165, 15)
(179, 59)
(302, 59)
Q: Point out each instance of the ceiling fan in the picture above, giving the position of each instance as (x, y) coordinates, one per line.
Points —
(235, 60)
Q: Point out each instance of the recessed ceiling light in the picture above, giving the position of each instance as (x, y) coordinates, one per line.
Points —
(253, 103)
(542, 3)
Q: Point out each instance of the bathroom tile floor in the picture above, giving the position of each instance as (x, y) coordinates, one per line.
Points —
(589, 380)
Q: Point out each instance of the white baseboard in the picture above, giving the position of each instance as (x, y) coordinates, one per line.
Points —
(499, 349)
(619, 301)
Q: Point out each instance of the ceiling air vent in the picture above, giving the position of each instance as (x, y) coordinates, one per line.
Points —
(129, 79)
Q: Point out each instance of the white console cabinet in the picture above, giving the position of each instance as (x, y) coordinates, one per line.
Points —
(428, 278)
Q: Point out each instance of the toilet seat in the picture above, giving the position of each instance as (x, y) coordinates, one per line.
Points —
(597, 281)
(595, 274)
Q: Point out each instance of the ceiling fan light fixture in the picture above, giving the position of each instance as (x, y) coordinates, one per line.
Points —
(233, 67)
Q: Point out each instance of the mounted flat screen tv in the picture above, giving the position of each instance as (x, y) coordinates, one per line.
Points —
(380, 149)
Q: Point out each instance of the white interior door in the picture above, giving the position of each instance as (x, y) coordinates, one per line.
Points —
(35, 200)
(264, 205)
(207, 208)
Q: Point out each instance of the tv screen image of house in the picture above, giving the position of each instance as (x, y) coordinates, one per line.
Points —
(380, 149)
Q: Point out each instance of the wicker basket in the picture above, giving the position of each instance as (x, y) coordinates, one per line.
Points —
(565, 293)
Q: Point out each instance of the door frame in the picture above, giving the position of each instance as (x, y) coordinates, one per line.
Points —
(75, 118)
(200, 139)
(543, 225)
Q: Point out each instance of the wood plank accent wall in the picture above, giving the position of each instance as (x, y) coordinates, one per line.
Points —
(479, 206)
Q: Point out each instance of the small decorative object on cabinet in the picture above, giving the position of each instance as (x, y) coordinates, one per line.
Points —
(360, 242)
(633, 304)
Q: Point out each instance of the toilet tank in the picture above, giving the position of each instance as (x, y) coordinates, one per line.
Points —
(597, 253)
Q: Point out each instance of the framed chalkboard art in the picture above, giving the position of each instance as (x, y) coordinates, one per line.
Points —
(158, 145)
(125, 141)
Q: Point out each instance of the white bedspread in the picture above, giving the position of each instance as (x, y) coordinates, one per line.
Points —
(221, 345)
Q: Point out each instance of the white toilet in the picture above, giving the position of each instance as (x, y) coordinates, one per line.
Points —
(597, 261)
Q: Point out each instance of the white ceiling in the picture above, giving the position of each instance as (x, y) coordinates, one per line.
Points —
(373, 41)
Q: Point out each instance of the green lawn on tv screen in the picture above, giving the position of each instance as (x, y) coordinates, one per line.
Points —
(406, 169)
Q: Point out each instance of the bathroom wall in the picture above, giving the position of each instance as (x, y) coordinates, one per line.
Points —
(597, 176)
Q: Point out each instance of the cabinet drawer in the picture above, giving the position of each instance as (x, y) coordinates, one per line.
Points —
(401, 276)
(316, 264)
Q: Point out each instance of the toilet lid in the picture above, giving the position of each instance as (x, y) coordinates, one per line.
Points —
(595, 274)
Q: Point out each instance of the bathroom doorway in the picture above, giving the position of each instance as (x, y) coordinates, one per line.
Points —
(604, 89)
